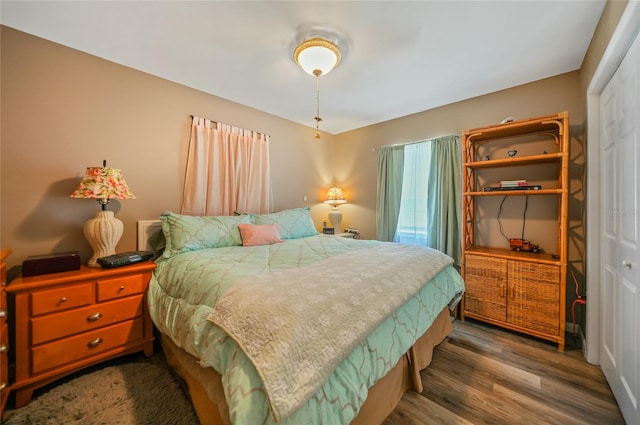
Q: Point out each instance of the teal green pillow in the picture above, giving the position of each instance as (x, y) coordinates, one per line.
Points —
(184, 233)
(294, 223)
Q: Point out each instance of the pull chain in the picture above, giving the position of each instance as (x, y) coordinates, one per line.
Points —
(317, 117)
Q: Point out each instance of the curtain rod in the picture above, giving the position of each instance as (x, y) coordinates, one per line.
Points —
(419, 141)
(217, 122)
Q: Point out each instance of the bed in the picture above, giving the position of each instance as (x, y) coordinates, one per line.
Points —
(249, 313)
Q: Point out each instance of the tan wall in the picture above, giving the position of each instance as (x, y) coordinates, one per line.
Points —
(63, 110)
(357, 150)
(606, 26)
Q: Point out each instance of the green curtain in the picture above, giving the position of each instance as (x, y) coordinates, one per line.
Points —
(390, 170)
(444, 231)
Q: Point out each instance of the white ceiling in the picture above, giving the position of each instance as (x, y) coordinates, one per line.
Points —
(399, 57)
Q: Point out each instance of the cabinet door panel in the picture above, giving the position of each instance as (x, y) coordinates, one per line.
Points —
(486, 286)
(534, 291)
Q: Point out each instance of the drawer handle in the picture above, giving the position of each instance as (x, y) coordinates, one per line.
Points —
(4, 348)
(94, 317)
(121, 288)
(3, 385)
(63, 300)
(3, 312)
(95, 342)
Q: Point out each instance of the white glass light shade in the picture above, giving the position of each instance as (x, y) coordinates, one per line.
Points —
(317, 56)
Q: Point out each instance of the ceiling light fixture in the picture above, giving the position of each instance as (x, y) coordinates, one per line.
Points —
(317, 56)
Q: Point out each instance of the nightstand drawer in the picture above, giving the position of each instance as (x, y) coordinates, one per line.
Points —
(60, 325)
(109, 289)
(48, 356)
(4, 355)
(60, 299)
(4, 338)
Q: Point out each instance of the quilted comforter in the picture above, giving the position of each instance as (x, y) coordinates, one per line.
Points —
(185, 288)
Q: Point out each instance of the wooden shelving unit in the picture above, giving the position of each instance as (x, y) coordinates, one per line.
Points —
(521, 291)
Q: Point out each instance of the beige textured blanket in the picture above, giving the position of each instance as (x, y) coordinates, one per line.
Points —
(297, 325)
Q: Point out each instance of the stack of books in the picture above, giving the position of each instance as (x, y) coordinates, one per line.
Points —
(513, 183)
(505, 185)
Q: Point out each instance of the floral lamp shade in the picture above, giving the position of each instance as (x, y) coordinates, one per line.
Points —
(103, 183)
(104, 230)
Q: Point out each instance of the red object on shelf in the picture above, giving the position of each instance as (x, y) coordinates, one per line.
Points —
(523, 245)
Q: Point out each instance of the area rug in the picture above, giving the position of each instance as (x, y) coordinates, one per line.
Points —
(139, 391)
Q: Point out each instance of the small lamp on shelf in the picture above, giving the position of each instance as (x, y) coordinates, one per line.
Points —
(334, 197)
(104, 230)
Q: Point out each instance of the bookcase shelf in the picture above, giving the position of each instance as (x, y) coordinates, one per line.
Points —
(517, 192)
(540, 258)
(527, 160)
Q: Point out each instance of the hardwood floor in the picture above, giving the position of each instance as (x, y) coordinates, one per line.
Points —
(485, 375)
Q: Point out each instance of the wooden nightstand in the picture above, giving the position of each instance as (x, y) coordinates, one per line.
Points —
(67, 321)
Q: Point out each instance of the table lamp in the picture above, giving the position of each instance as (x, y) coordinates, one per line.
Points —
(104, 230)
(334, 197)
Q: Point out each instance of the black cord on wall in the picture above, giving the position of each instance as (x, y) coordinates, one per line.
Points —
(498, 218)
(524, 216)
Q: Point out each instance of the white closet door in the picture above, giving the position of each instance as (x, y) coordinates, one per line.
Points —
(620, 238)
(609, 230)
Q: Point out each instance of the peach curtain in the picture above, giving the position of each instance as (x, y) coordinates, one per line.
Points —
(227, 170)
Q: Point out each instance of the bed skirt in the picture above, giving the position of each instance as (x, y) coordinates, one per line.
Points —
(207, 395)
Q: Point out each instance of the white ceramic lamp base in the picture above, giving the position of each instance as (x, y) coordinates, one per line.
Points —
(335, 217)
(103, 233)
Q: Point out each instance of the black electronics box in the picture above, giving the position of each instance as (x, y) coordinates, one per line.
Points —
(36, 265)
(124, 259)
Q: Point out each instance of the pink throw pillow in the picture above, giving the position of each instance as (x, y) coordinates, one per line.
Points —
(259, 234)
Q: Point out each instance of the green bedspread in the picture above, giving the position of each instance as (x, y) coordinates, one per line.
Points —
(184, 289)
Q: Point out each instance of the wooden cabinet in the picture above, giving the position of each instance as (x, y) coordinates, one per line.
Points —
(67, 321)
(518, 293)
(4, 334)
(518, 290)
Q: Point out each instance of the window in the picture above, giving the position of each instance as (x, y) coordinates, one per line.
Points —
(412, 218)
(419, 195)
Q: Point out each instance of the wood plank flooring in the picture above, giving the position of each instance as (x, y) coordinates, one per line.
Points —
(485, 375)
